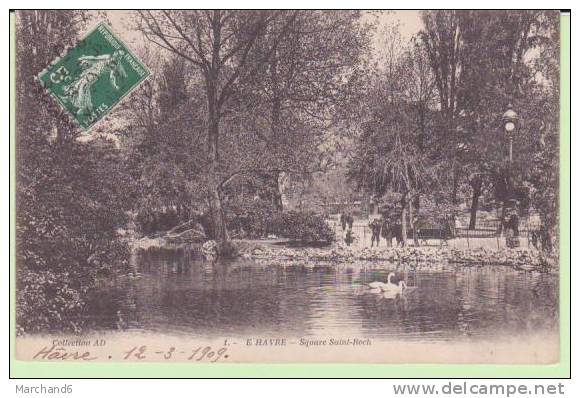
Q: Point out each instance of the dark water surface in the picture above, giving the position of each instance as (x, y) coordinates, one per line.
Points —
(177, 295)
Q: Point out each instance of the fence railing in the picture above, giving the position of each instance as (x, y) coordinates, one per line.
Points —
(476, 233)
(485, 229)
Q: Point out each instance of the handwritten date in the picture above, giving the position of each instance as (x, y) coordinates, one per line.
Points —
(198, 354)
(138, 352)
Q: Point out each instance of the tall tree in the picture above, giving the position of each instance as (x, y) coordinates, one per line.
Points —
(309, 76)
(393, 148)
(480, 60)
(296, 65)
(498, 49)
(387, 157)
(219, 45)
(442, 39)
(419, 89)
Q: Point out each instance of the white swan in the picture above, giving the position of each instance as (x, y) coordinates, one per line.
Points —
(381, 285)
(394, 290)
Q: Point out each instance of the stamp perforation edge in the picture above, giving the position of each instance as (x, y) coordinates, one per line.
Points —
(67, 50)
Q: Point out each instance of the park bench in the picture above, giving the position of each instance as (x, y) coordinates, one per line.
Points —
(439, 232)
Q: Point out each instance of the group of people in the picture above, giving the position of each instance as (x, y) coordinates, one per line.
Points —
(387, 229)
(346, 220)
(381, 227)
(510, 225)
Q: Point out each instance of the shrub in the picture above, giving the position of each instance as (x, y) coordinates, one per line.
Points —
(67, 242)
(56, 298)
(303, 227)
(258, 218)
(249, 219)
(150, 220)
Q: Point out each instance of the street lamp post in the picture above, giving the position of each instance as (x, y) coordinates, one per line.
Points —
(510, 122)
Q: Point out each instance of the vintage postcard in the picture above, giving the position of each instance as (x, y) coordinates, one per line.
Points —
(287, 186)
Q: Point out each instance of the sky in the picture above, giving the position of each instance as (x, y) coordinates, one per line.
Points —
(409, 22)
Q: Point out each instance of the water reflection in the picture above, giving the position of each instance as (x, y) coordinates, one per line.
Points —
(172, 292)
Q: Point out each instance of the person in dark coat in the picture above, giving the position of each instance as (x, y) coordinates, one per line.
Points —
(397, 230)
(349, 238)
(386, 231)
(375, 227)
(349, 220)
(343, 221)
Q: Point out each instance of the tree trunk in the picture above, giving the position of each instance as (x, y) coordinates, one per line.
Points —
(476, 185)
(404, 220)
(412, 223)
(214, 197)
(216, 211)
(218, 220)
(275, 124)
(501, 218)
(455, 187)
(277, 193)
(417, 204)
(403, 228)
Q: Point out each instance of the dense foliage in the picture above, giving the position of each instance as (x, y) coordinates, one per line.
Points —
(257, 219)
(150, 221)
(249, 219)
(431, 125)
(70, 195)
(302, 227)
(261, 88)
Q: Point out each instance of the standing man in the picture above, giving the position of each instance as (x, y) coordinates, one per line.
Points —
(375, 226)
(349, 238)
(398, 233)
(349, 220)
(386, 231)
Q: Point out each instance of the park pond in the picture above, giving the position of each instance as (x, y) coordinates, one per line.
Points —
(172, 292)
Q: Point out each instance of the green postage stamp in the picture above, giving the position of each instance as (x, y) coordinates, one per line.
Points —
(94, 76)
